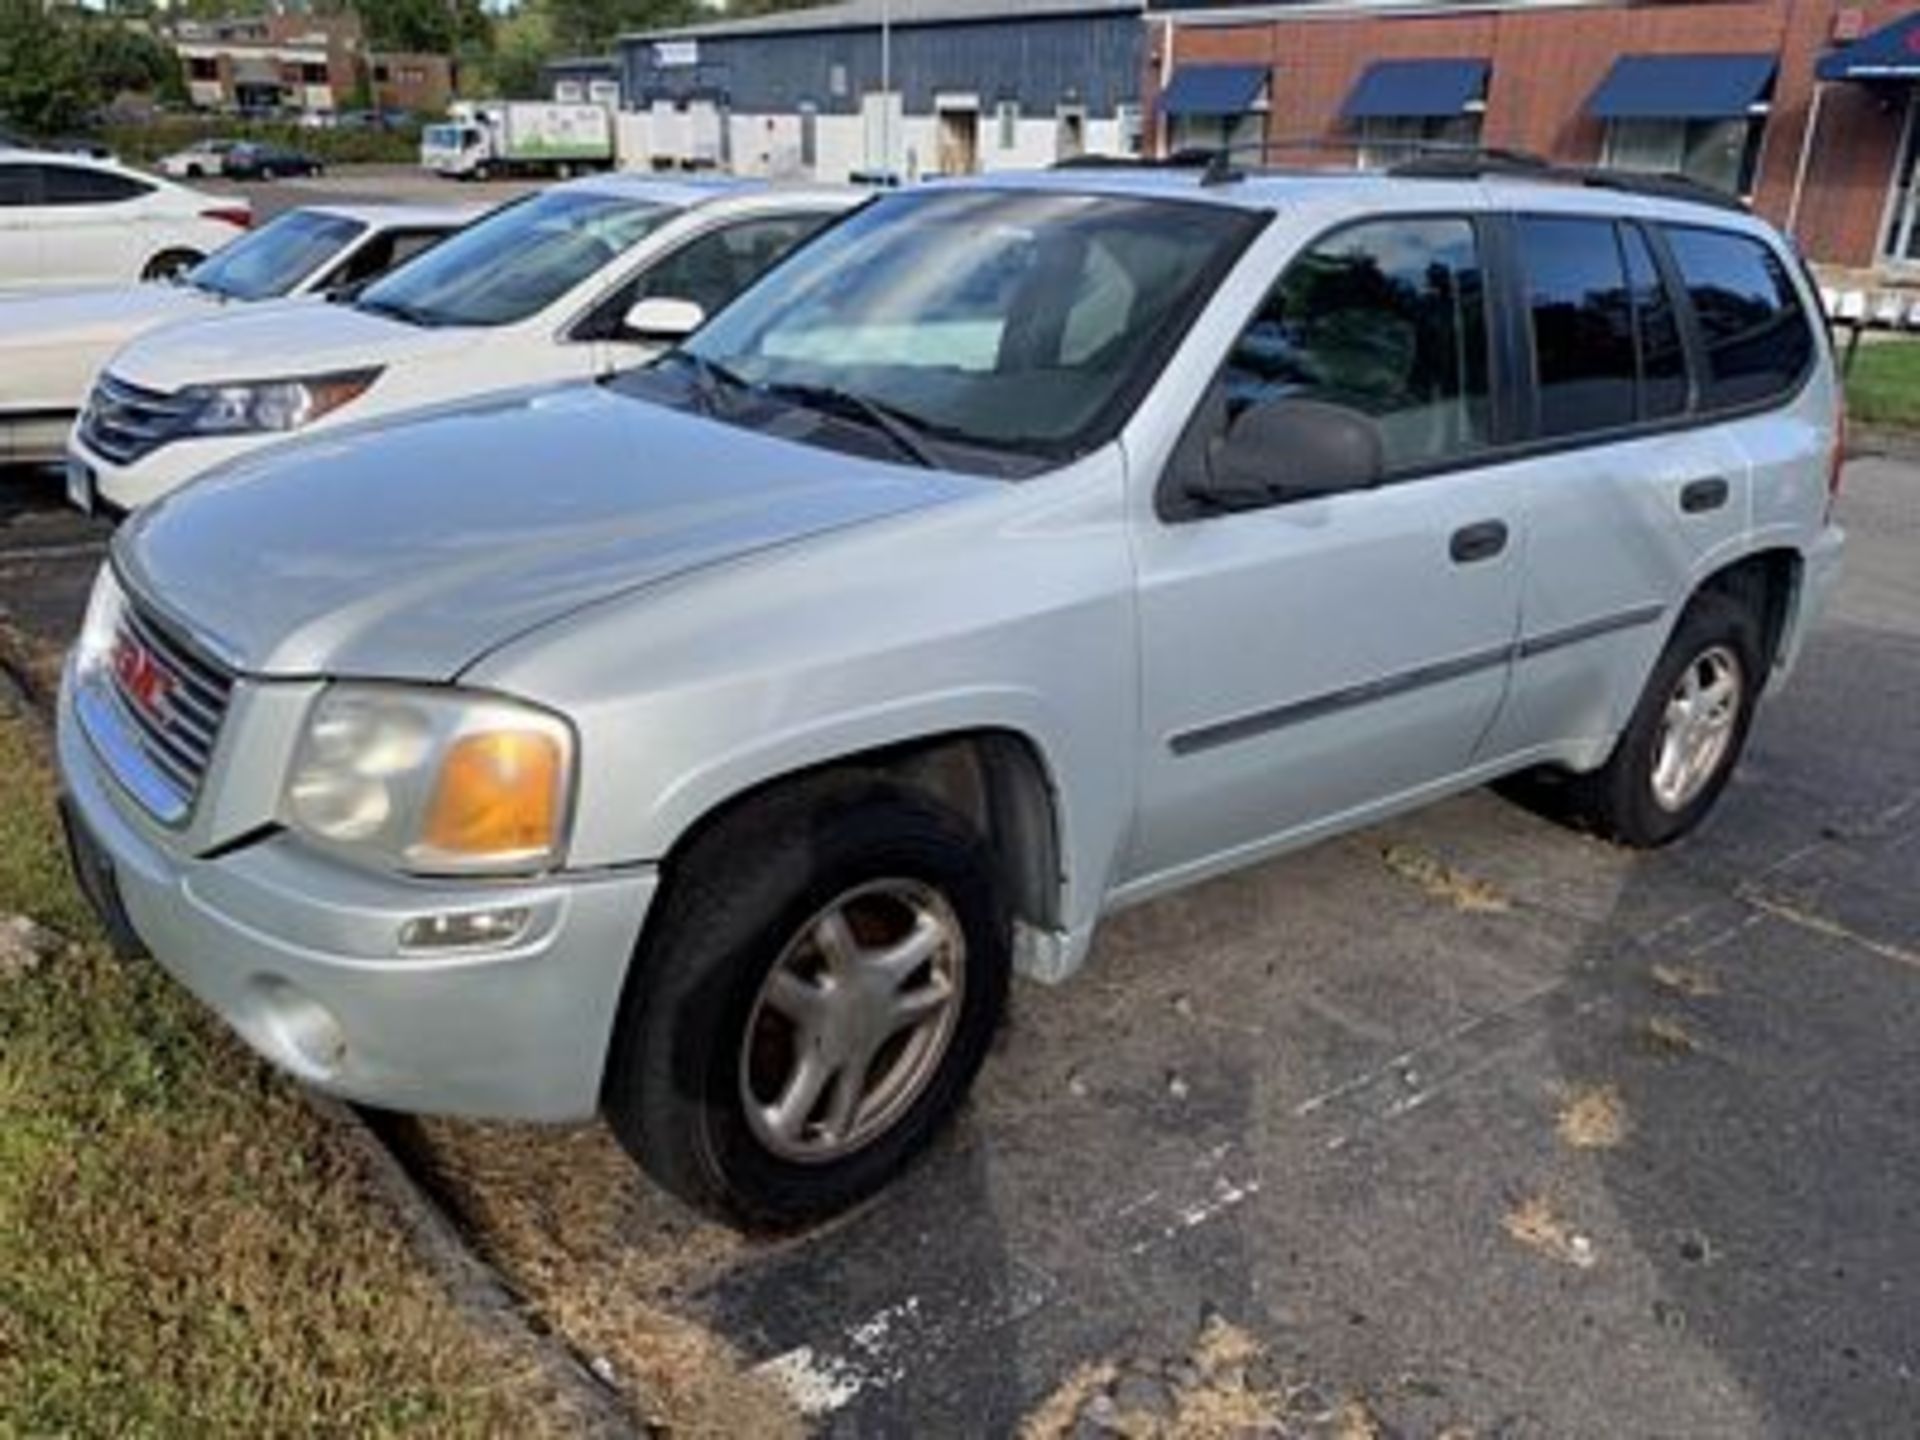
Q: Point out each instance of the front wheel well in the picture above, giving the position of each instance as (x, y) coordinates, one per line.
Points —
(1767, 582)
(996, 779)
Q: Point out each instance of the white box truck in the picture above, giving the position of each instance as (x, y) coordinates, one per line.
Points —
(503, 137)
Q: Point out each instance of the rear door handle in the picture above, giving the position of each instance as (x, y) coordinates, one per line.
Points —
(1699, 496)
(1482, 541)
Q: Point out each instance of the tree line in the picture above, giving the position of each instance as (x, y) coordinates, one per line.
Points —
(60, 64)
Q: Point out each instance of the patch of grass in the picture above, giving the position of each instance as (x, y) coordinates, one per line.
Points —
(185, 1246)
(1593, 1117)
(1442, 882)
(1883, 387)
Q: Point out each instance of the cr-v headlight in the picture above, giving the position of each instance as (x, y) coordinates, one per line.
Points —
(433, 781)
(253, 406)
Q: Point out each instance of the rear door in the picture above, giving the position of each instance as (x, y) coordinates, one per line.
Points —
(97, 227)
(1634, 491)
(1315, 658)
(20, 235)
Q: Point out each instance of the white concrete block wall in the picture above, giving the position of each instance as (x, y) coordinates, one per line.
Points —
(770, 145)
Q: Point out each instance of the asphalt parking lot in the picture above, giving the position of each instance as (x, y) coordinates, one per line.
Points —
(1468, 1120)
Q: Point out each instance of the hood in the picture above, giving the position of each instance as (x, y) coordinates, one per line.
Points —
(273, 338)
(409, 549)
(96, 316)
(51, 345)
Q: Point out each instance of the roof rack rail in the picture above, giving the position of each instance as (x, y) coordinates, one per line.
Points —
(1507, 164)
(1428, 160)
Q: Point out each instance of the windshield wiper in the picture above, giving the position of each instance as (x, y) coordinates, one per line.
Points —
(906, 431)
(710, 379)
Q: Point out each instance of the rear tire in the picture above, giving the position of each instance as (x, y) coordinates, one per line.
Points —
(169, 263)
(1685, 738)
(753, 1012)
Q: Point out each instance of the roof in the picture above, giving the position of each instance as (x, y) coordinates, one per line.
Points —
(900, 14)
(397, 217)
(685, 193)
(1272, 190)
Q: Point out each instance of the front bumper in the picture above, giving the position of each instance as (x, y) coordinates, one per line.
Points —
(300, 956)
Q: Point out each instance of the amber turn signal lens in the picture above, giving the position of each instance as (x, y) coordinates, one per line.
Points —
(498, 795)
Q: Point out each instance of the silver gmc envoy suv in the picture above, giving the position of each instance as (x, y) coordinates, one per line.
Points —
(706, 747)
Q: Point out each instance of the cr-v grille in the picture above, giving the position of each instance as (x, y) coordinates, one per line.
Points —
(124, 422)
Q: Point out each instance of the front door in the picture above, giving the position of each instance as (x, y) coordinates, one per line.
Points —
(19, 233)
(959, 142)
(1313, 659)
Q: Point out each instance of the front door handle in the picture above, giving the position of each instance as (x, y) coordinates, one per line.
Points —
(1699, 496)
(1478, 542)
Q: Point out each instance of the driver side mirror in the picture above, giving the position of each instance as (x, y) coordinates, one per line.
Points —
(662, 320)
(1291, 449)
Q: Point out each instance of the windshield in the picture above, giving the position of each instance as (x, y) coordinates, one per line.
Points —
(993, 331)
(516, 261)
(275, 258)
(443, 137)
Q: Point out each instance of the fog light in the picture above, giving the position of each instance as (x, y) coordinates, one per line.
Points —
(466, 930)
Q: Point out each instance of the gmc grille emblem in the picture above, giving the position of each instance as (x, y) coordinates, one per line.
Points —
(140, 676)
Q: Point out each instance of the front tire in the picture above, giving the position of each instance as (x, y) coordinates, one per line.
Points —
(1680, 748)
(815, 995)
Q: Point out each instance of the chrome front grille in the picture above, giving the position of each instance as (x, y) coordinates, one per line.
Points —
(124, 422)
(170, 699)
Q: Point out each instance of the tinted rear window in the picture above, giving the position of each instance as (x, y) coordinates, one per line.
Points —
(1656, 325)
(1582, 324)
(1758, 342)
(71, 185)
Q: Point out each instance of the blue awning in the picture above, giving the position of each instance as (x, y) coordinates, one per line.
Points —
(1416, 88)
(1890, 53)
(1681, 87)
(1213, 89)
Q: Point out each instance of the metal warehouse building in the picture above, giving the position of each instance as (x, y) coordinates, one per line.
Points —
(1807, 107)
(901, 87)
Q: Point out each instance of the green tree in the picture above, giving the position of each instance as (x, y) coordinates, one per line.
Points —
(589, 27)
(44, 83)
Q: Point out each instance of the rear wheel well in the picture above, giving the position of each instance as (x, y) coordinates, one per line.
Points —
(995, 779)
(1766, 582)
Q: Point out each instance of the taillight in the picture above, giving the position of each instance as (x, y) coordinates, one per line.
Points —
(236, 215)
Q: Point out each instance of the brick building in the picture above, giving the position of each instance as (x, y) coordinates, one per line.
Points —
(306, 64)
(1807, 107)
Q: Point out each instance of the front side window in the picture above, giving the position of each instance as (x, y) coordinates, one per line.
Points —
(17, 185)
(275, 258)
(1719, 153)
(73, 185)
(1388, 319)
(998, 332)
(1584, 361)
(713, 268)
(1758, 343)
(517, 261)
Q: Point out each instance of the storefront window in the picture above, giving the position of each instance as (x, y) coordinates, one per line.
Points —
(1720, 153)
(1387, 140)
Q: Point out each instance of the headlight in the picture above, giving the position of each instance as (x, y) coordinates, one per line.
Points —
(433, 782)
(93, 651)
(265, 405)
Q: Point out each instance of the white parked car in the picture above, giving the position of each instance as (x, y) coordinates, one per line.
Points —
(576, 281)
(52, 344)
(198, 160)
(70, 220)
